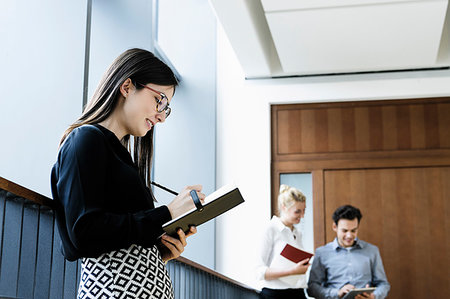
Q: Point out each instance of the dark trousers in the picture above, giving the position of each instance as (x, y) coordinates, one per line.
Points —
(267, 293)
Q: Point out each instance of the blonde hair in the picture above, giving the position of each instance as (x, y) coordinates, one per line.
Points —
(288, 196)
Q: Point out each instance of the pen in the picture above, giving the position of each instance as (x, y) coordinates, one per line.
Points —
(194, 195)
(164, 188)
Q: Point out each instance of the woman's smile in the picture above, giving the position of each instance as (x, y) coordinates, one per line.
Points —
(150, 124)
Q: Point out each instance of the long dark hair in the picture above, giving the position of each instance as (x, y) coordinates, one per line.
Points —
(141, 66)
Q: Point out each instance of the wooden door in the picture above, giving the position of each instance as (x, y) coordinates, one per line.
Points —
(406, 213)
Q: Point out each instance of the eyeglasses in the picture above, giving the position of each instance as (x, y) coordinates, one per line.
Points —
(162, 104)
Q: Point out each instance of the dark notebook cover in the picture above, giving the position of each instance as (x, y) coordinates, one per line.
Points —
(215, 204)
(294, 254)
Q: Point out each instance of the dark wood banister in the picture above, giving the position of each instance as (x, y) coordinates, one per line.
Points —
(45, 201)
(25, 193)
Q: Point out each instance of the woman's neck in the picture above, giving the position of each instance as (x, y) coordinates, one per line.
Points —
(286, 223)
(113, 125)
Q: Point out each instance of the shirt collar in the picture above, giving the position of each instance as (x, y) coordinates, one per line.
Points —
(358, 244)
(280, 225)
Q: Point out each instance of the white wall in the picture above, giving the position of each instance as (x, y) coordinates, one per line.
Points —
(185, 144)
(41, 83)
(243, 138)
(116, 25)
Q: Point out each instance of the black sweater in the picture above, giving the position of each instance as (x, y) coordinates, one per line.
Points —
(102, 203)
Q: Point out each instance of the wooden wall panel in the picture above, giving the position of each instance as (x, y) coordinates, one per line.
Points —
(320, 222)
(361, 127)
(389, 139)
(444, 122)
(335, 139)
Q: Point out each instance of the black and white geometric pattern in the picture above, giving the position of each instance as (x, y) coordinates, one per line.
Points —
(136, 272)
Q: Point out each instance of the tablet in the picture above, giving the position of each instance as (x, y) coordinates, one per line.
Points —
(354, 292)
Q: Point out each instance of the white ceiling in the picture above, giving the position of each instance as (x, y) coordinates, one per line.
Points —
(275, 38)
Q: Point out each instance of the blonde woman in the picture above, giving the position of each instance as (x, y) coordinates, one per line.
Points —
(279, 232)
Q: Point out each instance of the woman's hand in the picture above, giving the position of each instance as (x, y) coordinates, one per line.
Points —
(301, 267)
(183, 202)
(274, 273)
(171, 248)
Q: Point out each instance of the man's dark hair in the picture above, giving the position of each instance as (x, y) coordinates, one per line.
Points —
(346, 212)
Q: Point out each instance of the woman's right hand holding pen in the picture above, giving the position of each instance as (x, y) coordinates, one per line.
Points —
(183, 202)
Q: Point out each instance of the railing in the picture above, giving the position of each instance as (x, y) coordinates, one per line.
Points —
(32, 266)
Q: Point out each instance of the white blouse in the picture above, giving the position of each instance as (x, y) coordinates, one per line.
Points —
(275, 237)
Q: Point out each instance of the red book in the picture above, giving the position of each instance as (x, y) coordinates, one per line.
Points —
(294, 254)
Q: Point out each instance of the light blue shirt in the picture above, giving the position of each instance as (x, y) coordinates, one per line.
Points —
(335, 266)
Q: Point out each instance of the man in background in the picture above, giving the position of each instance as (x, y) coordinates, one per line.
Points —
(347, 262)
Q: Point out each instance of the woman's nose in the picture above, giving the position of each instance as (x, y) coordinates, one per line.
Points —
(161, 116)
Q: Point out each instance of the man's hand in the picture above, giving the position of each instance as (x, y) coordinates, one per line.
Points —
(365, 295)
(345, 289)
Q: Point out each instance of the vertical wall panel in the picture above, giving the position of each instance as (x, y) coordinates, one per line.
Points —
(57, 273)
(389, 123)
(392, 244)
(444, 122)
(28, 250)
(431, 121)
(348, 127)
(335, 130)
(12, 234)
(44, 255)
(375, 129)
(362, 129)
(307, 127)
(71, 273)
(321, 129)
(403, 127)
(417, 126)
(290, 122)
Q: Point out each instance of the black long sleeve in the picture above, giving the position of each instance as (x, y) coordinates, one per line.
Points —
(103, 203)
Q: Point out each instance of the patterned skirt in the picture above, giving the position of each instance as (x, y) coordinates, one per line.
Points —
(136, 272)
